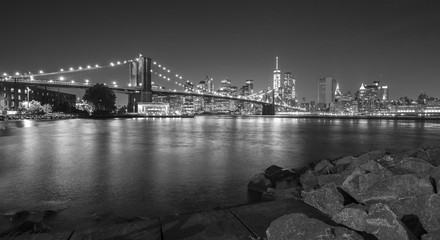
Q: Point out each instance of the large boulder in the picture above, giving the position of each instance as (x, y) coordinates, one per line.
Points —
(426, 208)
(435, 177)
(299, 226)
(373, 155)
(324, 167)
(308, 180)
(372, 187)
(325, 179)
(431, 155)
(282, 178)
(412, 165)
(327, 199)
(259, 183)
(380, 221)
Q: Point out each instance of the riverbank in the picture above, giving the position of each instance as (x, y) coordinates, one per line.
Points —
(388, 195)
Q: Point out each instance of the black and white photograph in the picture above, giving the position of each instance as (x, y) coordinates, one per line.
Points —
(219, 119)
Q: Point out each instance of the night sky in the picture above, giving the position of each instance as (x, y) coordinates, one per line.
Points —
(354, 41)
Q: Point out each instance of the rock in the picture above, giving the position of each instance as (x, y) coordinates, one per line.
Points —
(373, 155)
(308, 180)
(259, 183)
(283, 178)
(431, 155)
(272, 169)
(435, 176)
(323, 166)
(412, 165)
(371, 187)
(382, 223)
(299, 226)
(426, 208)
(376, 154)
(26, 227)
(16, 216)
(379, 221)
(327, 199)
(432, 236)
(354, 218)
(344, 161)
(278, 194)
(324, 179)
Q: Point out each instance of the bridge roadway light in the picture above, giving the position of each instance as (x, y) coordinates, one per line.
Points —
(80, 68)
(5, 74)
(112, 64)
(71, 69)
(61, 78)
(89, 67)
(96, 66)
(153, 62)
(118, 63)
(61, 70)
(41, 72)
(17, 73)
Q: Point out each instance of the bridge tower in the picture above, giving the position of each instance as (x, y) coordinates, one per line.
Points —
(140, 77)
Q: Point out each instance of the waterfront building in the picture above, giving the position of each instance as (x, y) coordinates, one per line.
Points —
(326, 90)
(373, 97)
(12, 94)
(277, 79)
(153, 108)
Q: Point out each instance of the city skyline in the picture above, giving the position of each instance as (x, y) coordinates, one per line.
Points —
(394, 41)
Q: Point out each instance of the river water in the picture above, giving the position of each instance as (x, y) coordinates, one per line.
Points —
(156, 167)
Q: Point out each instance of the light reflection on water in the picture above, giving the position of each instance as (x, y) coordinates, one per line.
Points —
(155, 167)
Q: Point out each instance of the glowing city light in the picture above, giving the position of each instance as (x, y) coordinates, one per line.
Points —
(114, 83)
(71, 69)
(112, 64)
(118, 63)
(168, 70)
(73, 81)
(89, 67)
(5, 74)
(61, 70)
(80, 68)
(32, 77)
(154, 63)
(129, 84)
(180, 77)
(177, 75)
(41, 71)
(164, 68)
(87, 80)
(17, 73)
(61, 78)
(159, 65)
(96, 66)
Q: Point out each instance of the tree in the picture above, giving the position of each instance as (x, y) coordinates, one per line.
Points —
(101, 98)
(34, 108)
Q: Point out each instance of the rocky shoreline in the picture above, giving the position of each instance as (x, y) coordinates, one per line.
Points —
(377, 195)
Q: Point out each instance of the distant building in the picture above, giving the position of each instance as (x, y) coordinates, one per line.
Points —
(12, 94)
(201, 86)
(277, 79)
(326, 90)
(209, 84)
(288, 89)
(250, 86)
(372, 97)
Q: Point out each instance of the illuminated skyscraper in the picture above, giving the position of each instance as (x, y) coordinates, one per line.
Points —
(250, 86)
(289, 92)
(326, 90)
(276, 78)
(209, 84)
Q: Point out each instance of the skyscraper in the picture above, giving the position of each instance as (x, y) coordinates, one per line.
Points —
(289, 92)
(209, 84)
(276, 78)
(326, 90)
(250, 86)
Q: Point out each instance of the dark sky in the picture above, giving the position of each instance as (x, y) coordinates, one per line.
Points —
(354, 41)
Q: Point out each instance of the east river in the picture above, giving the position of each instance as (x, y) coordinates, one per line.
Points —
(156, 167)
